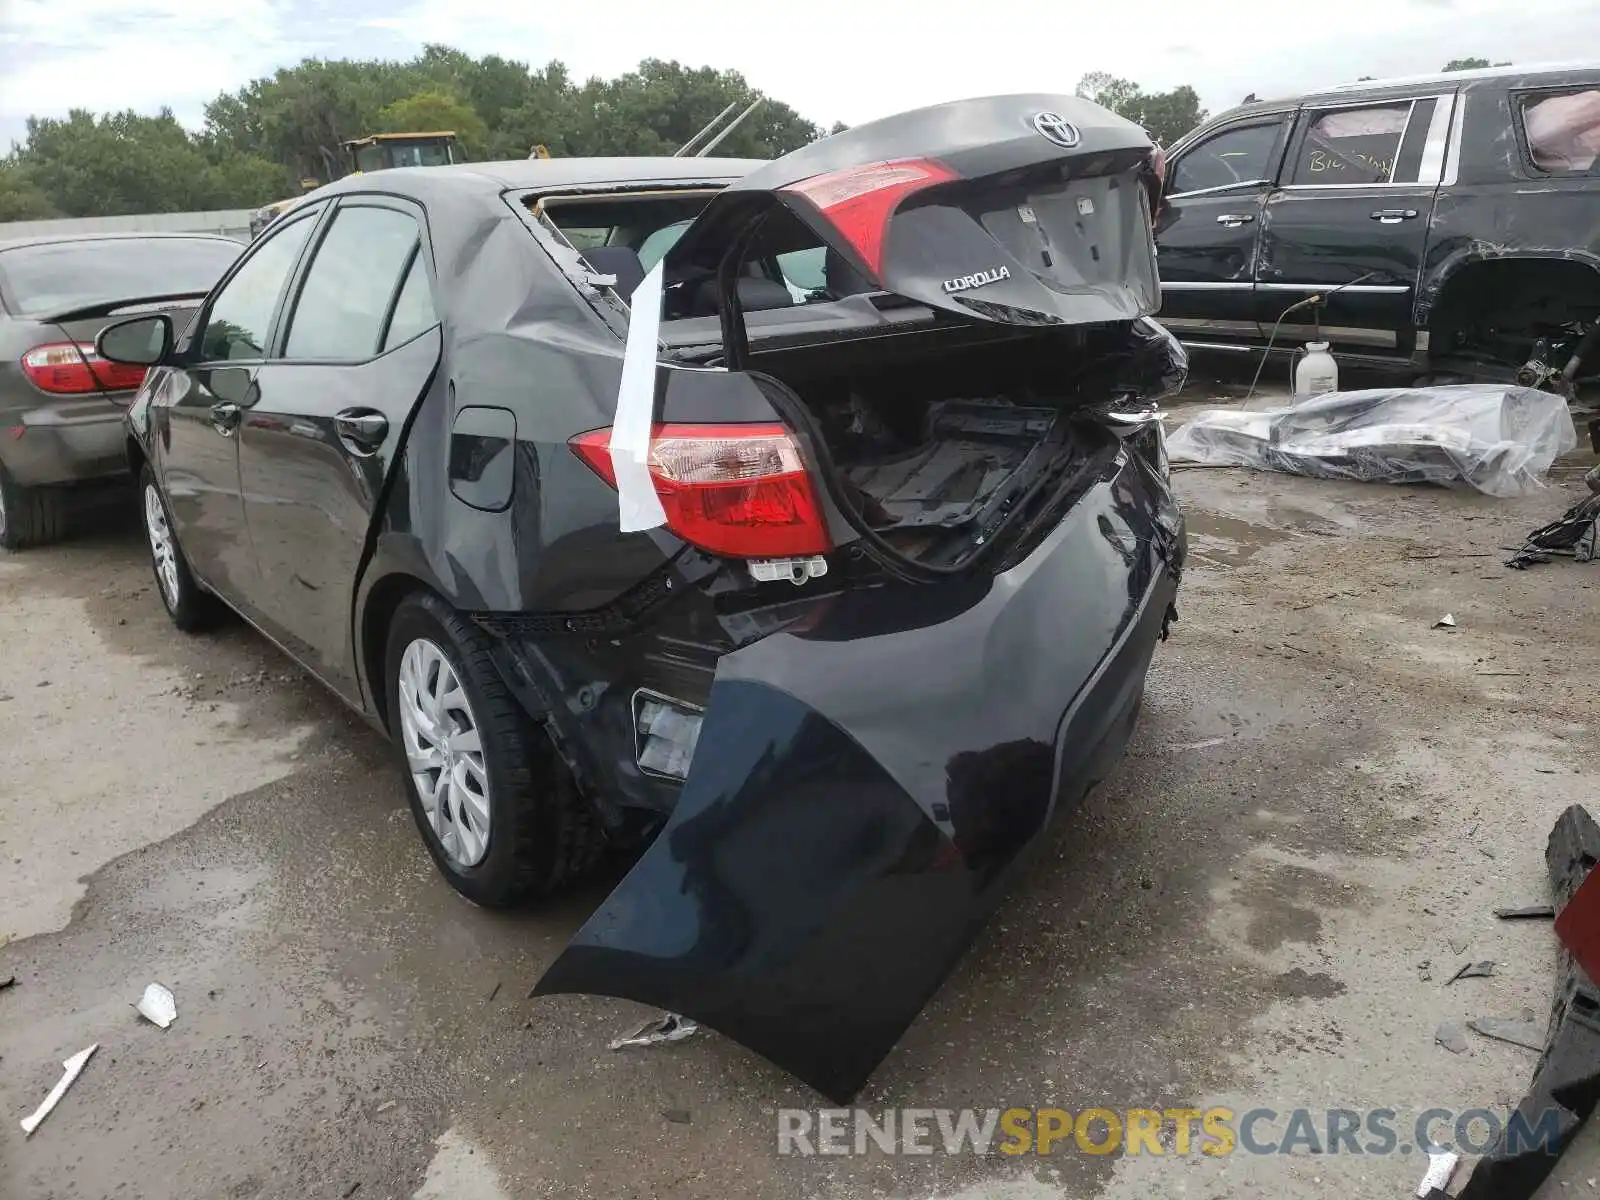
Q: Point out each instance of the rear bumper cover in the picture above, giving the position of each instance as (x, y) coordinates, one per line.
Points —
(67, 442)
(863, 791)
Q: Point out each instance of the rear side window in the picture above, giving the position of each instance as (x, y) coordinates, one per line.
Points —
(241, 314)
(57, 276)
(413, 310)
(1351, 145)
(1563, 130)
(352, 284)
(1235, 156)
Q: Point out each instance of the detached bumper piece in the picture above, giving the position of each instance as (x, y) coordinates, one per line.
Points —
(1567, 1079)
(864, 790)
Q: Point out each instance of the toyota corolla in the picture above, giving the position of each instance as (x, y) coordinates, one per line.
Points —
(801, 525)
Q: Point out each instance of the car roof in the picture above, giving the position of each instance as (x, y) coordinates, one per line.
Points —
(48, 239)
(541, 173)
(1525, 75)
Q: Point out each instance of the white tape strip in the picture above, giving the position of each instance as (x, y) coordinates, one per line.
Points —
(638, 505)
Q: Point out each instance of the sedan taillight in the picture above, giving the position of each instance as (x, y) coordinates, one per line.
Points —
(738, 490)
(74, 369)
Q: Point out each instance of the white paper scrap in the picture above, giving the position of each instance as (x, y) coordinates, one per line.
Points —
(74, 1067)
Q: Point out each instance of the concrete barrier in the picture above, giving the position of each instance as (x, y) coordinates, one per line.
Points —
(233, 223)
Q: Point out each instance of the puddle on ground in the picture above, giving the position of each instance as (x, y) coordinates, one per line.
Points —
(1228, 541)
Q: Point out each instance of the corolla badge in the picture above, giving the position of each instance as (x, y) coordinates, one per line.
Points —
(981, 279)
(1056, 128)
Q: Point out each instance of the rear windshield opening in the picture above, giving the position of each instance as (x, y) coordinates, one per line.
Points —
(57, 276)
(625, 234)
(786, 265)
(628, 234)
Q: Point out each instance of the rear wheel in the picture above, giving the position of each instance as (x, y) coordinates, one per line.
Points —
(29, 516)
(190, 608)
(498, 810)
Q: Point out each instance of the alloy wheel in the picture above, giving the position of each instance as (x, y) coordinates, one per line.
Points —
(444, 751)
(162, 549)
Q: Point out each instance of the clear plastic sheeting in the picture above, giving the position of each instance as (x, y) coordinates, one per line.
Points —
(1493, 437)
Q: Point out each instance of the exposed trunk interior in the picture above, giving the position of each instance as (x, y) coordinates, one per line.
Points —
(942, 452)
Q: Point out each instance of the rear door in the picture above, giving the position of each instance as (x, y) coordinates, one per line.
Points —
(198, 408)
(1351, 218)
(358, 347)
(1209, 227)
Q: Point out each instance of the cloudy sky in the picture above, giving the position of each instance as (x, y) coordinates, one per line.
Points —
(849, 60)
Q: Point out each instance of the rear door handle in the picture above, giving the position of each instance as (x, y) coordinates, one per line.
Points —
(1234, 220)
(361, 429)
(225, 418)
(1393, 216)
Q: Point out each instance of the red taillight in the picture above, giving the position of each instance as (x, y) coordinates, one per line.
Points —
(73, 368)
(858, 202)
(739, 490)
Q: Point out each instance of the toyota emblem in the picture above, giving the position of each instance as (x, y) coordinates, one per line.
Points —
(1056, 128)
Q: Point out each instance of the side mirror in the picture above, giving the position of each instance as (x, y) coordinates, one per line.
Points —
(137, 341)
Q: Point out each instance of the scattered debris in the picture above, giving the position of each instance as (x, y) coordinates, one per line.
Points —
(678, 1116)
(1526, 912)
(1437, 1177)
(665, 1029)
(352, 1190)
(1458, 945)
(73, 1067)
(386, 1106)
(158, 1005)
(1477, 970)
(1575, 533)
(493, 993)
(1447, 621)
(1519, 1031)
(1452, 1037)
(1566, 1081)
(9, 981)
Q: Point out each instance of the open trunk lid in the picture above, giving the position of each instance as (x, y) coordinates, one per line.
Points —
(1023, 210)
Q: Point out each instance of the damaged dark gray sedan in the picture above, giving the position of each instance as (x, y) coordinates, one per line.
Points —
(804, 523)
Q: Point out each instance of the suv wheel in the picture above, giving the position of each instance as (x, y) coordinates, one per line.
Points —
(189, 607)
(497, 808)
(29, 516)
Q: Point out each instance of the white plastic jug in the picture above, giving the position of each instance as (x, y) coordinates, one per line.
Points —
(1315, 372)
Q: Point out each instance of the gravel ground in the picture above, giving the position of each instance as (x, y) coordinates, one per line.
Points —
(1324, 801)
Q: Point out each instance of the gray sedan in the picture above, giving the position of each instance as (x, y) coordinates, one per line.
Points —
(61, 406)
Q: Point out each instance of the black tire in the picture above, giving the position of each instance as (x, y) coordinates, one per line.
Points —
(542, 833)
(29, 516)
(192, 608)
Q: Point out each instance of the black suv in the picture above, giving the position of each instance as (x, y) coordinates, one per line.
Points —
(1450, 223)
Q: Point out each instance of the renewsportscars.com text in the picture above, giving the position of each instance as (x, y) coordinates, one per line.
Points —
(1179, 1131)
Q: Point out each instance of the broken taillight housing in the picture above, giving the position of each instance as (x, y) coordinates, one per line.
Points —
(73, 368)
(859, 201)
(739, 490)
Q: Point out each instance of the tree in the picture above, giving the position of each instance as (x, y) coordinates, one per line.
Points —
(1166, 116)
(436, 111)
(1471, 64)
(258, 140)
(21, 199)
